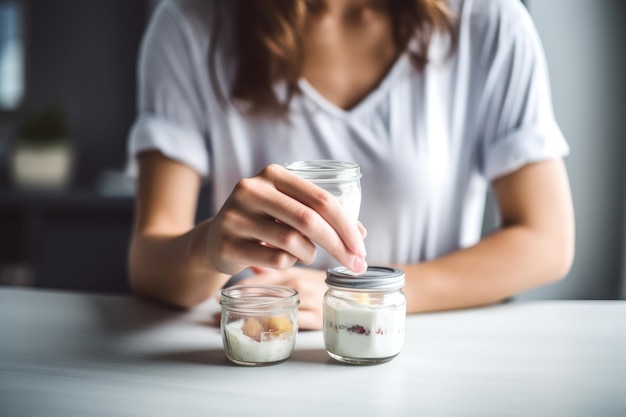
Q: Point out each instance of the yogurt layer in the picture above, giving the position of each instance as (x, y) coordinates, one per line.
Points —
(243, 348)
(354, 329)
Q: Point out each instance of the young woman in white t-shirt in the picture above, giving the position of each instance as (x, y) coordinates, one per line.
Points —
(435, 100)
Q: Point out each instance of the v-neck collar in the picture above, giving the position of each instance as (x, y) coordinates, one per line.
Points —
(369, 100)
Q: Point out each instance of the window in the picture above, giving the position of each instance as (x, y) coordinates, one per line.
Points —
(11, 55)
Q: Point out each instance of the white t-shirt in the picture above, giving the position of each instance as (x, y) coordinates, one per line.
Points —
(428, 142)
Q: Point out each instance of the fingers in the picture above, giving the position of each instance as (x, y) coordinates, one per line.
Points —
(278, 235)
(275, 219)
(258, 270)
(362, 229)
(246, 251)
(267, 276)
(242, 233)
(280, 244)
(319, 216)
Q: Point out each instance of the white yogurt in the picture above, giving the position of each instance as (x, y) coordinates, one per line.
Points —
(350, 199)
(356, 330)
(242, 348)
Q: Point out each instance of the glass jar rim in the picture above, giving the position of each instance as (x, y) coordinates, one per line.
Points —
(376, 278)
(259, 298)
(325, 170)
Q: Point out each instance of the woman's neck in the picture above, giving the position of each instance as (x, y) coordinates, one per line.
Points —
(349, 48)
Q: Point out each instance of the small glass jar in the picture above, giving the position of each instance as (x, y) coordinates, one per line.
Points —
(341, 179)
(259, 323)
(364, 315)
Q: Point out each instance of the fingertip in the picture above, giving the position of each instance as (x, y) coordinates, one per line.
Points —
(362, 229)
(359, 265)
(257, 269)
(306, 261)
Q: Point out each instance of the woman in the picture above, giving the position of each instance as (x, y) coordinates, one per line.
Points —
(435, 100)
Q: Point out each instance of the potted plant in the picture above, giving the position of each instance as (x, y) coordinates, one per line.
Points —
(42, 154)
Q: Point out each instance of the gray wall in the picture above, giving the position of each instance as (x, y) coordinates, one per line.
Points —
(82, 56)
(586, 53)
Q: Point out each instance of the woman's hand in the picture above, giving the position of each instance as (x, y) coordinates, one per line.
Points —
(310, 286)
(273, 220)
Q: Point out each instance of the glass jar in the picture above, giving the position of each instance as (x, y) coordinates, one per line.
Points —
(341, 179)
(259, 323)
(364, 315)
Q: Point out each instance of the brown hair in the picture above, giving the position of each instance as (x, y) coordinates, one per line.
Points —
(268, 44)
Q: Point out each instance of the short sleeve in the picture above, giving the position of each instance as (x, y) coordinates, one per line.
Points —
(518, 121)
(171, 112)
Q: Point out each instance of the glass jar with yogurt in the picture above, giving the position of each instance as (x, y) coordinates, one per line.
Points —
(364, 315)
(259, 323)
(341, 179)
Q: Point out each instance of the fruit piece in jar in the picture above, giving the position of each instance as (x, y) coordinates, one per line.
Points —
(252, 328)
(277, 325)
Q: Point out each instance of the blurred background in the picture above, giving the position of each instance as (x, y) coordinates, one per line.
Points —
(67, 101)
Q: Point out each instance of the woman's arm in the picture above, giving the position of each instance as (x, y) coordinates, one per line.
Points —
(161, 263)
(535, 246)
(271, 220)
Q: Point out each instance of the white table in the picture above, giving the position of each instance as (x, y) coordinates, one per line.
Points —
(71, 354)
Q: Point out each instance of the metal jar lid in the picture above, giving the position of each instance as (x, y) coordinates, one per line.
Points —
(376, 278)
